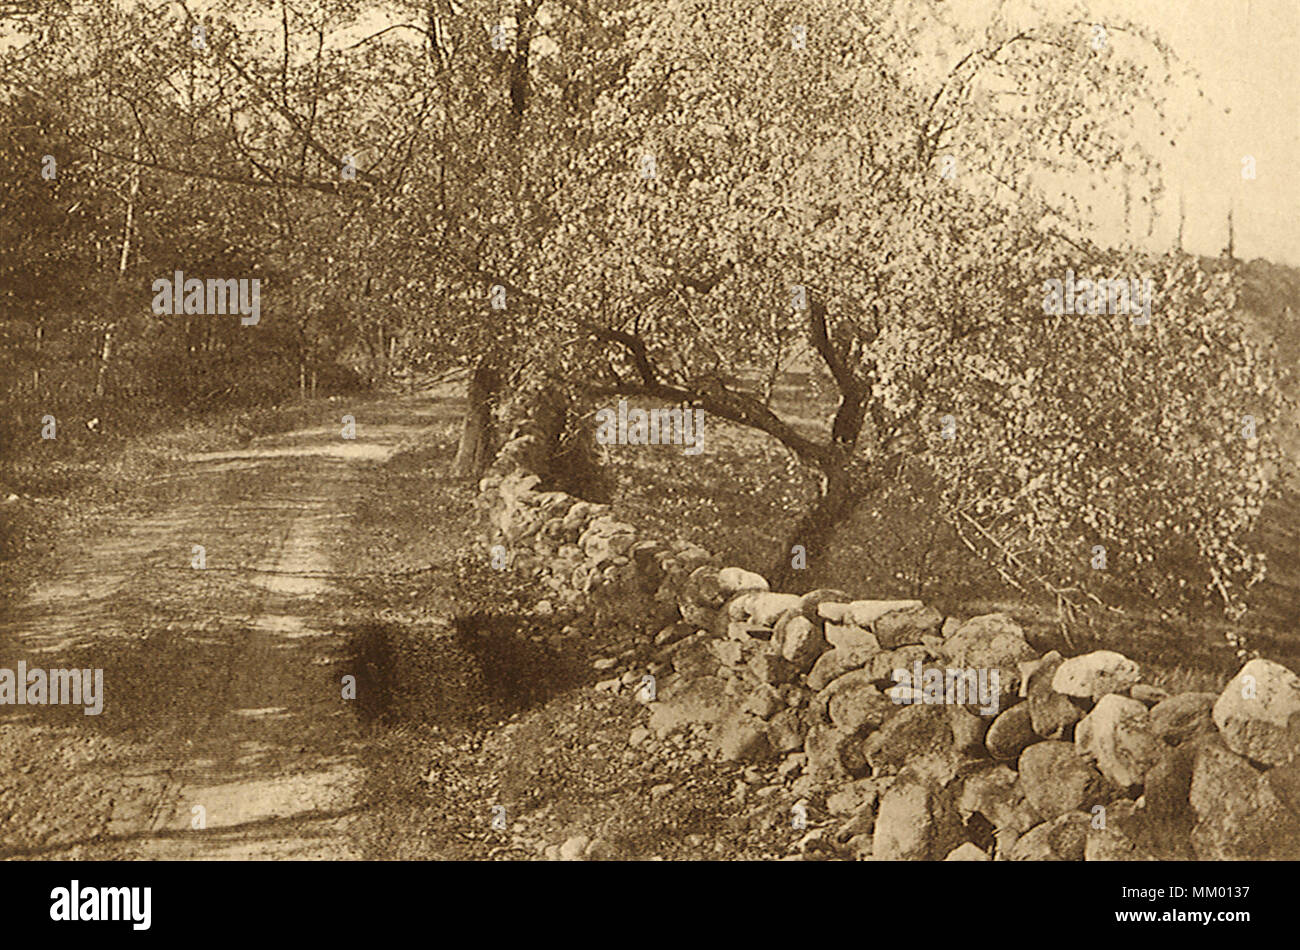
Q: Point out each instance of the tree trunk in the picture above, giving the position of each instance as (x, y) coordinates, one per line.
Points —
(474, 451)
(815, 530)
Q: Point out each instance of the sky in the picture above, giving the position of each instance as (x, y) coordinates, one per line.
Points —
(1247, 53)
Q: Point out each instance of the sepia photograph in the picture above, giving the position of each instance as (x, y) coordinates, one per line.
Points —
(650, 430)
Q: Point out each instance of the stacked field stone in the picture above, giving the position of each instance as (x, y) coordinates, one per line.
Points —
(1075, 759)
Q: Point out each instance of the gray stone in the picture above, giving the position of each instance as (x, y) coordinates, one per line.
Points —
(989, 642)
(834, 611)
(851, 637)
(1113, 838)
(1011, 733)
(997, 795)
(1258, 713)
(914, 732)
(1063, 838)
(967, 852)
(761, 608)
(575, 848)
(849, 800)
(968, 730)
(855, 704)
(734, 579)
(772, 668)
(763, 701)
(1147, 694)
(1117, 737)
(835, 663)
(904, 828)
(884, 665)
(865, 612)
(702, 588)
(1239, 817)
(692, 657)
(1181, 717)
(830, 754)
(680, 704)
(673, 633)
(815, 598)
(1056, 780)
(1051, 714)
(801, 642)
(906, 626)
(1095, 674)
(727, 652)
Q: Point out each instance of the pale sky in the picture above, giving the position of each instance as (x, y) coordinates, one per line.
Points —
(1248, 54)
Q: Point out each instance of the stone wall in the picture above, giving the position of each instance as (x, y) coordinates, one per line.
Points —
(1060, 758)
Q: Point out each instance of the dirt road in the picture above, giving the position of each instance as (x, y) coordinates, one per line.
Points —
(225, 731)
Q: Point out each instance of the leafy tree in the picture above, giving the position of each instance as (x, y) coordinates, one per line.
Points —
(769, 175)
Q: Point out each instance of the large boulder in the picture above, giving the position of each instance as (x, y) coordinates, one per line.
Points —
(855, 704)
(833, 755)
(1182, 717)
(916, 820)
(907, 625)
(835, 663)
(884, 665)
(815, 598)
(914, 732)
(772, 668)
(1061, 839)
(904, 824)
(1116, 832)
(1057, 781)
(993, 641)
(734, 579)
(1167, 813)
(1095, 674)
(801, 641)
(693, 656)
(1239, 817)
(1258, 713)
(1051, 714)
(997, 794)
(761, 608)
(1284, 783)
(702, 588)
(1011, 732)
(850, 637)
(865, 612)
(1116, 735)
(968, 730)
